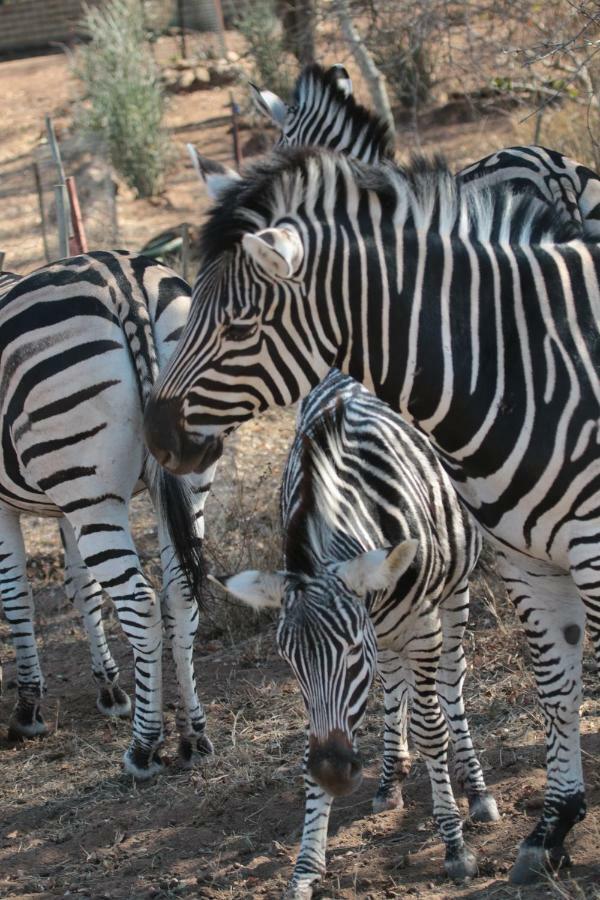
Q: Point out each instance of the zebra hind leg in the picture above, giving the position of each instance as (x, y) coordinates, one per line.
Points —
(180, 620)
(454, 613)
(553, 614)
(396, 758)
(107, 549)
(17, 601)
(85, 593)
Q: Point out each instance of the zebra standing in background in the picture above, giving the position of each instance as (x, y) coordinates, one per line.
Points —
(324, 113)
(80, 345)
(473, 313)
(359, 478)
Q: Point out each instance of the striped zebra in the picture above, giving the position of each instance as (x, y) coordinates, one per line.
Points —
(473, 313)
(324, 113)
(80, 345)
(357, 479)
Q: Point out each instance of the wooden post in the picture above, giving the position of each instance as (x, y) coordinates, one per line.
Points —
(235, 111)
(78, 242)
(40, 196)
(62, 218)
(220, 25)
(2, 255)
(181, 17)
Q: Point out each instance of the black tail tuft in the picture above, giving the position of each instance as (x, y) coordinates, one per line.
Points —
(175, 500)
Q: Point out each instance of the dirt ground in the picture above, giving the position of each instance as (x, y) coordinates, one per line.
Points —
(72, 824)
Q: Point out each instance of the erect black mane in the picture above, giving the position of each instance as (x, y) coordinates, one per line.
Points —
(377, 131)
(248, 203)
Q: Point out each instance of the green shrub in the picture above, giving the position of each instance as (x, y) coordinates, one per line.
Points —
(258, 23)
(125, 93)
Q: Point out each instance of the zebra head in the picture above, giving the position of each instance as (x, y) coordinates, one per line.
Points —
(324, 113)
(251, 341)
(326, 635)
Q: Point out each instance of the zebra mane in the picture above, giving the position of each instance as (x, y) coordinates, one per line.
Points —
(314, 518)
(424, 194)
(317, 86)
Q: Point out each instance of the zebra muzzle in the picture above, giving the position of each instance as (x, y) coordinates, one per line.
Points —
(170, 444)
(334, 764)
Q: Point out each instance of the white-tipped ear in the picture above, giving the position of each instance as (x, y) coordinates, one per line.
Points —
(342, 79)
(259, 590)
(377, 570)
(269, 104)
(279, 251)
(215, 176)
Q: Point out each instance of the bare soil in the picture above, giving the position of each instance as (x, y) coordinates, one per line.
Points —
(72, 824)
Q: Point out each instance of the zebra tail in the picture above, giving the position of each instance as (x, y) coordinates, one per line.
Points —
(174, 501)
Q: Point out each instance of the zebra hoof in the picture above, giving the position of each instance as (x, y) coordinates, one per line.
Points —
(390, 798)
(302, 890)
(198, 748)
(142, 764)
(461, 864)
(26, 723)
(114, 702)
(534, 863)
(483, 808)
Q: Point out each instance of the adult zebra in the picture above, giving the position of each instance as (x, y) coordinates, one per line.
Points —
(476, 315)
(324, 113)
(359, 478)
(80, 345)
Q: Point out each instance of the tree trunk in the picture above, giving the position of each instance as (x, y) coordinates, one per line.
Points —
(364, 61)
(298, 20)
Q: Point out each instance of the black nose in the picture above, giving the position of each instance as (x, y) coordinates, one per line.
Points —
(168, 441)
(334, 765)
(163, 432)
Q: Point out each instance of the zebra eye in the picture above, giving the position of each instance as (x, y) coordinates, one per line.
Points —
(239, 331)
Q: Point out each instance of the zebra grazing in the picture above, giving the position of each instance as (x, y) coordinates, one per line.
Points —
(473, 313)
(80, 345)
(359, 478)
(324, 113)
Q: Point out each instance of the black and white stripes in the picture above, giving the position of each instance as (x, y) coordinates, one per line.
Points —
(80, 345)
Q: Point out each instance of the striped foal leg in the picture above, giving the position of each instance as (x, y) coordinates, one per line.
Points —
(311, 865)
(553, 615)
(430, 735)
(17, 602)
(396, 758)
(454, 615)
(86, 594)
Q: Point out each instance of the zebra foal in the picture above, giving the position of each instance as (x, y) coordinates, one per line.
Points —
(80, 345)
(359, 479)
(473, 313)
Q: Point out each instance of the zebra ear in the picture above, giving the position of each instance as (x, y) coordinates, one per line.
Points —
(215, 176)
(279, 251)
(342, 79)
(259, 590)
(269, 104)
(377, 570)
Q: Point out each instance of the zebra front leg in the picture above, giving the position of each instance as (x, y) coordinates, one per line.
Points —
(311, 865)
(396, 758)
(86, 594)
(17, 602)
(553, 615)
(454, 614)
(430, 736)
(108, 551)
